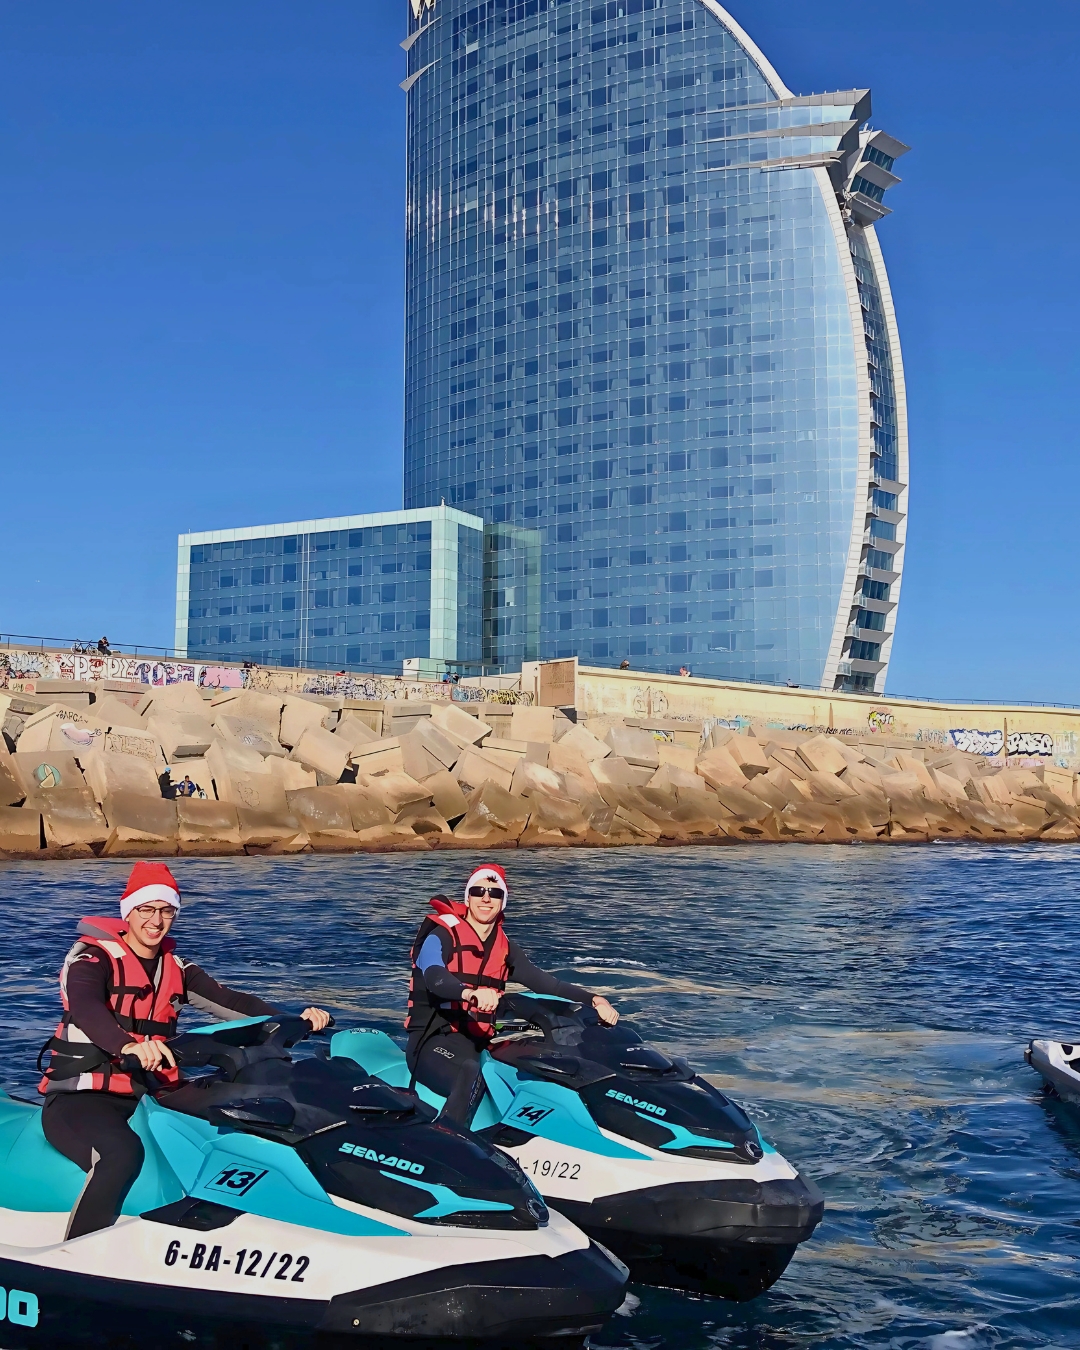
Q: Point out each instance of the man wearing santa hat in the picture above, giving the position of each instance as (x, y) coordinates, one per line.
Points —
(461, 963)
(122, 986)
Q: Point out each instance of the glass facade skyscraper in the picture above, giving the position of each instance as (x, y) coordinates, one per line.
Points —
(649, 327)
(363, 592)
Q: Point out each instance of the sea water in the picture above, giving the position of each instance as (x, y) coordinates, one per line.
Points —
(868, 1006)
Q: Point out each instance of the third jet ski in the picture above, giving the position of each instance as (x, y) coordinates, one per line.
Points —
(633, 1145)
(289, 1201)
(1059, 1064)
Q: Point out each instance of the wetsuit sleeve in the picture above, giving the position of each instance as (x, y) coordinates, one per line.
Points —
(87, 983)
(217, 1001)
(431, 962)
(539, 981)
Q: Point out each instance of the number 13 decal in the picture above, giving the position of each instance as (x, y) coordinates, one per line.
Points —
(236, 1180)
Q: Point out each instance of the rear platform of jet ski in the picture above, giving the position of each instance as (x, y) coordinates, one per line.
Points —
(1059, 1064)
(292, 1203)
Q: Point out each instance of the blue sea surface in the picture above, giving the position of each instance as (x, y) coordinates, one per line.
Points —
(869, 1007)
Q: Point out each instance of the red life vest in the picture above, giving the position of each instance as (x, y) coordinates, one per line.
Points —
(148, 1011)
(478, 964)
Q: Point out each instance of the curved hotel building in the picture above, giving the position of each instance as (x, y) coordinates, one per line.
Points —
(650, 340)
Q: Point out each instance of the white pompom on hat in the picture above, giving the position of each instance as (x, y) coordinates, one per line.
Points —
(490, 872)
(149, 882)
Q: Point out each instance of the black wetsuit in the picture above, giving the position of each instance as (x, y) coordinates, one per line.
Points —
(91, 1128)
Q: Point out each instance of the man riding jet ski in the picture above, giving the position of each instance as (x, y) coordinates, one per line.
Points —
(122, 986)
(461, 962)
(299, 1195)
(1059, 1064)
(633, 1145)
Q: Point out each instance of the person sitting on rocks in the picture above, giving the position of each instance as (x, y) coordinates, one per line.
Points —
(461, 963)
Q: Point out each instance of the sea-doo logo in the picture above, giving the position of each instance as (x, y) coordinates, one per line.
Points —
(19, 1307)
(387, 1160)
(534, 1114)
(641, 1106)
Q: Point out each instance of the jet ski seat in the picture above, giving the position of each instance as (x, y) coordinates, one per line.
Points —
(378, 1055)
(35, 1176)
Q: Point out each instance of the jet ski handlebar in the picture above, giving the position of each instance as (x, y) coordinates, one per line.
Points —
(232, 1046)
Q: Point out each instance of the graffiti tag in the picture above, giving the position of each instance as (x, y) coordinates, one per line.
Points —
(1029, 743)
(879, 719)
(977, 742)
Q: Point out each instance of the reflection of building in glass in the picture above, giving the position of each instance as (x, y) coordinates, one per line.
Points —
(647, 317)
(364, 592)
(511, 596)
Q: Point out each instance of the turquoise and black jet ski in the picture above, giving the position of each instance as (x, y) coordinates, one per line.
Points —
(633, 1145)
(300, 1200)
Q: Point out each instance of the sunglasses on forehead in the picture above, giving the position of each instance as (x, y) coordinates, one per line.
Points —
(496, 892)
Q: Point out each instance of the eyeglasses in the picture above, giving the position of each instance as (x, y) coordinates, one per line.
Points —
(148, 911)
(475, 892)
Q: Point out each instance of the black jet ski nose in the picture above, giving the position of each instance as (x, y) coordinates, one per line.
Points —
(644, 1059)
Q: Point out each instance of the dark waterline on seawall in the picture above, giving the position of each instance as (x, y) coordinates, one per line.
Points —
(869, 1007)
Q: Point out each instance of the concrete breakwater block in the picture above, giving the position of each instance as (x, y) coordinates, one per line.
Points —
(319, 749)
(207, 828)
(107, 772)
(20, 830)
(274, 775)
(70, 817)
(11, 789)
(182, 735)
(139, 826)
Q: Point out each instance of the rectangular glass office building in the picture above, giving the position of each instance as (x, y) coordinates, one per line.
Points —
(358, 592)
(648, 318)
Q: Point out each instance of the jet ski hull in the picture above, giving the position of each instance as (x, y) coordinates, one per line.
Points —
(1055, 1062)
(290, 1203)
(510, 1303)
(732, 1238)
(717, 1213)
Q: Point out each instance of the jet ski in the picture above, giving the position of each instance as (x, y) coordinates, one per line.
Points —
(1059, 1064)
(292, 1201)
(633, 1145)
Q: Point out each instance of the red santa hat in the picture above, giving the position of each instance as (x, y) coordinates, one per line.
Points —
(149, 882)
(484, 876)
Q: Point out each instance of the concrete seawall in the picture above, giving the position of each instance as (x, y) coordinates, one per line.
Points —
(263, 761)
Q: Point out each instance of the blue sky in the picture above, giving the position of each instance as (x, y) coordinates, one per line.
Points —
(201, 291)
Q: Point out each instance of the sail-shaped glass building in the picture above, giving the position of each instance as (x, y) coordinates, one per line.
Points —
(649, 330)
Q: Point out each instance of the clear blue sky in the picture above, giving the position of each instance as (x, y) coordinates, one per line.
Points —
(201, 299)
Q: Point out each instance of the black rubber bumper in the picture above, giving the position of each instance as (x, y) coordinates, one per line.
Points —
(784, 1211)
(511, 1301)
(733, 1239)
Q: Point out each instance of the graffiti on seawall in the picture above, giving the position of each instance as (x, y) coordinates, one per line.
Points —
(20, 669)
(1029, 743)
(649, 702)
(977, 742)
(879, 719)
